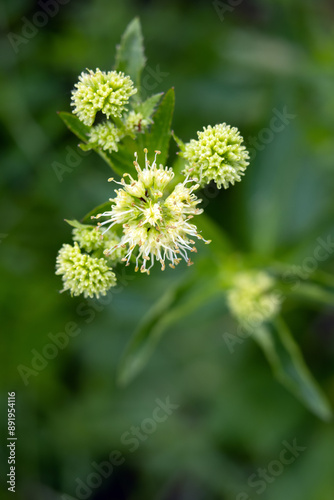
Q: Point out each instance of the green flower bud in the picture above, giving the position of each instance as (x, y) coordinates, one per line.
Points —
(91, 239)
(135, 122)
(83, 274)
(252, 300)
(101, 91)
(106, 136)
(217, 155)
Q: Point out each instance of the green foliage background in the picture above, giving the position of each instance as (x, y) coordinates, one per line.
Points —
(232, 415)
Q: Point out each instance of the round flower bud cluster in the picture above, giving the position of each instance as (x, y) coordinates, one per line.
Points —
(83, 274)
(106, 136)
(91, 239)
(100, 91)
(155, 222)
(135, 122)
(252, 300)
(217, 155)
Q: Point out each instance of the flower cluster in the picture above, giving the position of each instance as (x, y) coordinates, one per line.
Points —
(101, 91)
(108, 93)
(155, 222)
(91, 239)
(217, 155)
(88, 238)
(252, 299)
(105, 135)
(83, 274)
(153, 212)
(135, 122)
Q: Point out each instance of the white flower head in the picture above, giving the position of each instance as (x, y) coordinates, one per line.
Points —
(155, 222)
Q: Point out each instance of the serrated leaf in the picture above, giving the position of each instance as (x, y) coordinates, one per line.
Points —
(130, 56)
(290, 369)
(147, 107)
(77, 224)
(159, 136)
(75, 125)
(177, 302)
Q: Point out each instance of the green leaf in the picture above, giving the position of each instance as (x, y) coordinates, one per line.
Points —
(220, 246)
(159, 136)
(97, 210)
(177, 166)
(76, 224)
(85, 146)
(75, 125)
(120, 162)
(178, 141)
(314, 293)
(290, 369)
(177, 302)
(179, 163)
(130, 56)
(146, 108)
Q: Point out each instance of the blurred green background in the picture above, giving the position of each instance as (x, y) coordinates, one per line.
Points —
(238, 62)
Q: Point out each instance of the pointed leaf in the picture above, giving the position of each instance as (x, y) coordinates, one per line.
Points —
(178, 141)
(104, 207)
(159, 136)
(220, 245)
(290, 369)
(146, 108)
(75, 125)
(177, 166)
(120, 162)
(314, 293)
(130, 56)
(177, 302)
(76, 224)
